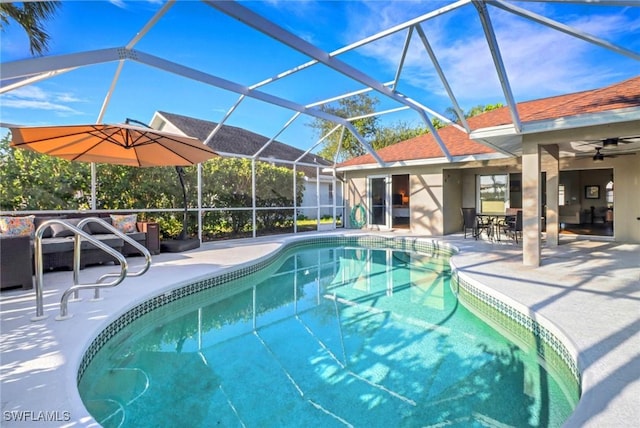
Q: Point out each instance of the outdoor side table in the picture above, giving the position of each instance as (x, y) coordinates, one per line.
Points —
(152, 230)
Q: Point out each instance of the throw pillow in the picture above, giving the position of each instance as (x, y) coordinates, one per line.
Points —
(48, 233)
(124, 223)
(98, 229)
(60, 231)
(17, 226)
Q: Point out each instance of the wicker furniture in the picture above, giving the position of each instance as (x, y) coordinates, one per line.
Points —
(471, 220)
(152, 233)
(57, 250)
(15, 262)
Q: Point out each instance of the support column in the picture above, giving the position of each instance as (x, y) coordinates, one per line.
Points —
(530, 203)
(552, 167)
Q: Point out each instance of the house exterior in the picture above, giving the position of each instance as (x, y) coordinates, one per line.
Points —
(550, 168)
(232, 141)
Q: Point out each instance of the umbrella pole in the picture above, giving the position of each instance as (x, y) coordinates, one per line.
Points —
(180, 171)
(183, 234)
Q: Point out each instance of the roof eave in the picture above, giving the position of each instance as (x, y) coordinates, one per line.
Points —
(425, 162)
(583, 120)
(507, 138)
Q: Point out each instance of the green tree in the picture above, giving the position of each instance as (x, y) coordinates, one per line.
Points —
(33, 181)
(126, 187)
(473, 111)
(395, 133)
(401, 131)
(355, 106)
(30, 16)
(479, 109)
(370, 129)
(226, 183)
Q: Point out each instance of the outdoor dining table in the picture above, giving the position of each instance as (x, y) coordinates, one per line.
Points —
(493, 222)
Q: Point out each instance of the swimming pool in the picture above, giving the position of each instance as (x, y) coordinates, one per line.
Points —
(321, 335)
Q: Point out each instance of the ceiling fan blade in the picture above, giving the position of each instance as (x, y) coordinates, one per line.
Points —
(611, 141)
(599, 156)
(630, 139)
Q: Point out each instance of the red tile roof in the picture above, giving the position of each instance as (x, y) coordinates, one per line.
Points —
(617, 96)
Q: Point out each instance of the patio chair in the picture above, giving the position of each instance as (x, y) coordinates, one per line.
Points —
(513, 226)
(471, 221)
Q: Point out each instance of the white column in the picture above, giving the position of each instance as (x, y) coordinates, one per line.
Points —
(200, 201)
(318, 198)
(295, 199)
(334, 186)
(552, 168)
(253, 196)
(530, 203)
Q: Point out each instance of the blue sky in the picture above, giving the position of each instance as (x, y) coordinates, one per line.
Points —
(540, 62)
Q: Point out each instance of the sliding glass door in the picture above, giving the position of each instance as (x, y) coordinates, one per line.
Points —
(378, 202)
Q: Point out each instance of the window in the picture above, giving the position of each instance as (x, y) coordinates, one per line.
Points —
(331, 193)
(561, 194)
(609, 194)
(493, 193)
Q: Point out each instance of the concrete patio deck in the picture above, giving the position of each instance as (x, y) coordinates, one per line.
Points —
(589, 289)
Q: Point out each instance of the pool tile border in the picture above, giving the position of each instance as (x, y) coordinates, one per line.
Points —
(521, 326)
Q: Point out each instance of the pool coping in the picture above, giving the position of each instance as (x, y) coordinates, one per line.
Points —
(26, 393)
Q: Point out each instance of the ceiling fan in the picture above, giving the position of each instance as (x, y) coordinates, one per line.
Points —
(610, 143)
(607, 142)
(599, 156)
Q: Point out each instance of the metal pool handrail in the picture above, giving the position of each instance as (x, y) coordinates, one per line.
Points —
(76, 259)
(40, 268)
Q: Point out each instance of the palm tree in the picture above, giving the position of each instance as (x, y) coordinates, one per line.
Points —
(30, 15)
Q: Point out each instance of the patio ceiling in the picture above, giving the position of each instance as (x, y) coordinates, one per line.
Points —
(574, 135)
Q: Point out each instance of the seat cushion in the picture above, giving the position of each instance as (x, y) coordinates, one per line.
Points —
(138, 236)
(57, 245)
(109, 239)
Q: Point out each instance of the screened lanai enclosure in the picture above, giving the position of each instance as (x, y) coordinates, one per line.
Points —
(294, 72)
(226, 197)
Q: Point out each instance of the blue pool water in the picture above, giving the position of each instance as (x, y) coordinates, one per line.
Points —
(323, 337)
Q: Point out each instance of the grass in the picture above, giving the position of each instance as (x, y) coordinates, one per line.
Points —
(313, 221)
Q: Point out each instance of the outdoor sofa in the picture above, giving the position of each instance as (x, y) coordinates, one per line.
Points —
(17, 245)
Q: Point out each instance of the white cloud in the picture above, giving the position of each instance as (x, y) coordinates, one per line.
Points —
(122, 4)
(36, 105)
(539, 61)
(27, 92)
(35, 98)
(118, 3)
(67, 98)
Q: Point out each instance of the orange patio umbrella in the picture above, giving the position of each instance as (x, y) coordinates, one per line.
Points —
(119, 144)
